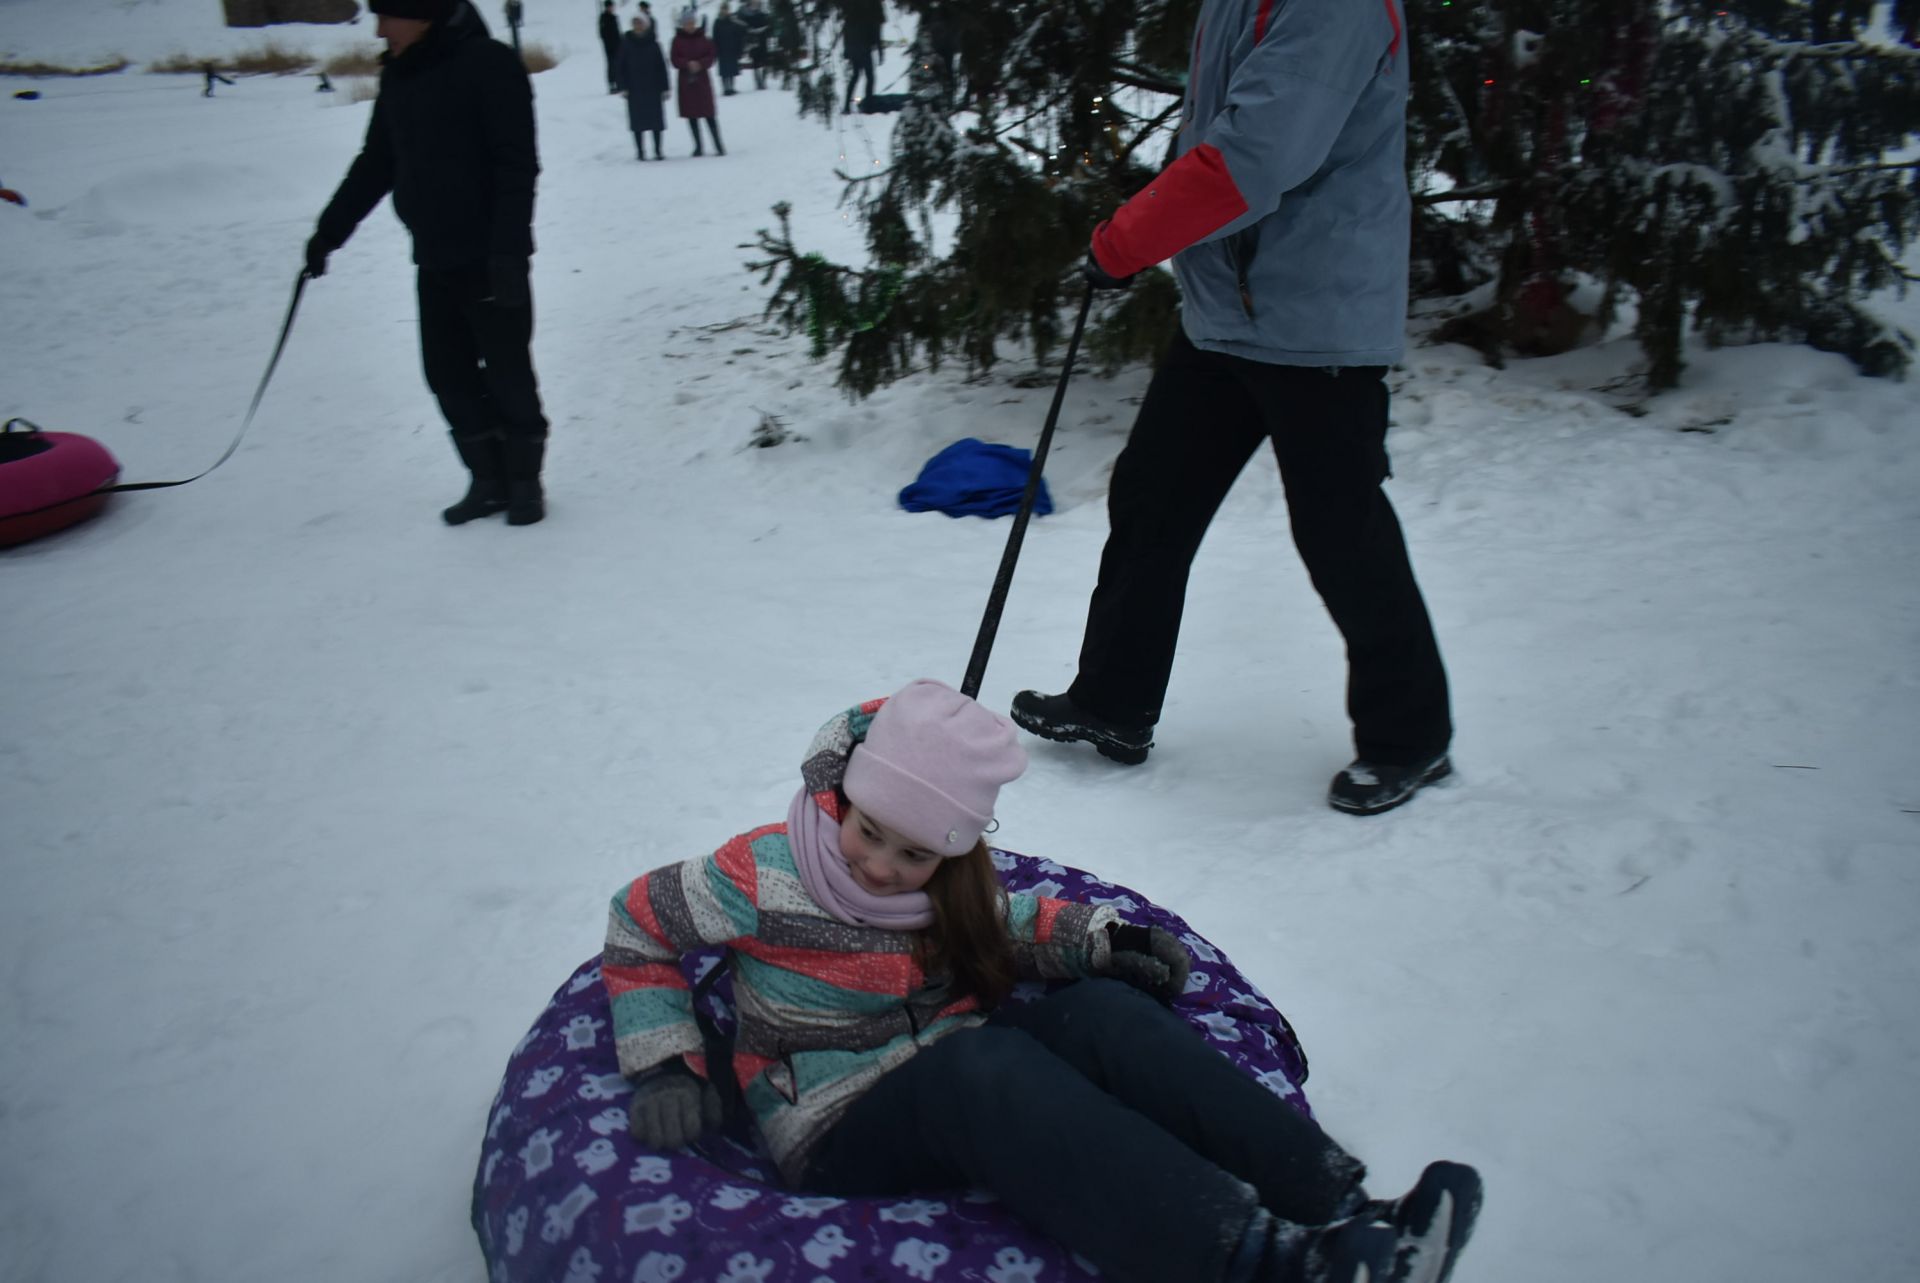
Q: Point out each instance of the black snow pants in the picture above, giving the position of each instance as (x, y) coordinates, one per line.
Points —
(1102, 1119)
(479, 364)
(1204, 415)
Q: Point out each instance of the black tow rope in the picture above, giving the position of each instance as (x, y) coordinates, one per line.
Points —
(286, 328)
(997, 599)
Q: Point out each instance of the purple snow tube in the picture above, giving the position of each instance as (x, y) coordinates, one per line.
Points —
(565, 1195)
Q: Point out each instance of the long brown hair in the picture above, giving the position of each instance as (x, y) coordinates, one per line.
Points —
(968, 939)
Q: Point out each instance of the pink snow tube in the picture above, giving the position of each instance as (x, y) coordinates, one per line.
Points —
(49, 480)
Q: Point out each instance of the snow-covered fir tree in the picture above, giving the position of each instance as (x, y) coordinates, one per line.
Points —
(1735, 166)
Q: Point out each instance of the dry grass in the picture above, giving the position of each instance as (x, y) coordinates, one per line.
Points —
(269, 59)
(47, 70)
(366, 61)
(354, 62)
(362, 89)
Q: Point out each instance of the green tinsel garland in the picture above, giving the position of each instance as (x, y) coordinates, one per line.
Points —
(826, 305)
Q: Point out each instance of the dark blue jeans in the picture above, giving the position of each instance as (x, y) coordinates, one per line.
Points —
(1102, 1119)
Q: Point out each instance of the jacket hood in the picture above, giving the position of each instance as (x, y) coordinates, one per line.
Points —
(824, 769)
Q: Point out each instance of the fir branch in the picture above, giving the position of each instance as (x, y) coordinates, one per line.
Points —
(1134, 76)
(1488, 191)
(1895, 266)
(1840, 50)
(1818, 175)
(1147, 131)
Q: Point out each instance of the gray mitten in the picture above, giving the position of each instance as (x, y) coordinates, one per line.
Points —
(672, 1107)
(1149, 958)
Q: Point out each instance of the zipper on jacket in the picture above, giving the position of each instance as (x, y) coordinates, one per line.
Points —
(1242, 261)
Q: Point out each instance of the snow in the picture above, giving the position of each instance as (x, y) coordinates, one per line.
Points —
(310, 802)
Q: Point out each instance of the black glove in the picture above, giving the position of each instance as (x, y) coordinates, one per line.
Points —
(507, 280)
(672, 1106)
(1098, 276)
(1149, 958)
(317, 251)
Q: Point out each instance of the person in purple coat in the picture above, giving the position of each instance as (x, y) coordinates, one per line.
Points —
(693, 57)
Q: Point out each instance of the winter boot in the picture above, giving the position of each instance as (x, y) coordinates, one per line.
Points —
(1368, 788)
(1277, 1251)
(1432, 1222)
(698, 149)
(483, 499)
(713, 127)
(487, 494)
(1056, 717)
(526, 503)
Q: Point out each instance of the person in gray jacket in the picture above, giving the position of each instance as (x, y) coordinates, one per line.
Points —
(1286, 215)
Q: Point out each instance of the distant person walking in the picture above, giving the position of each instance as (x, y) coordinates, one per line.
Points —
(729, 43)
(452, 138)
(861, 39)
(759, 25)
(643, 78)
(610, 42)
(207, 69)
(693, 56)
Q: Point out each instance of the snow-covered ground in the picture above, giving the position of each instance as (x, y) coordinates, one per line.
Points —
(307, 802)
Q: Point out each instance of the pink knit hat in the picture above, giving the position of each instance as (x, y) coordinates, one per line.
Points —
(931, 766)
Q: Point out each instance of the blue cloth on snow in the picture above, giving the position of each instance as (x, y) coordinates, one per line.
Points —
(972, 478)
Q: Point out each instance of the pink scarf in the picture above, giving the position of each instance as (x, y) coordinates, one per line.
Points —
(813, 833)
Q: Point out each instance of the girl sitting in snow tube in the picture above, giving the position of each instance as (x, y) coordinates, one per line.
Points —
(49, 480)
(871, 941)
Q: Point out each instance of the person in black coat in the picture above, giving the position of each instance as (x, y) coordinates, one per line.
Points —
(759, 25)
(452, 138)
(729, 42)
(610, 41)
(861, 37)
(643, 78)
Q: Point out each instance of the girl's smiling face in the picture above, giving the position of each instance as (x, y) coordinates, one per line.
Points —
(881, 861)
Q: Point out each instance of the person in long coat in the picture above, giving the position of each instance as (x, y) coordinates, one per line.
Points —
(693, 56)
(730, 40)
(759, 25)
(642, 69)
(610, 41)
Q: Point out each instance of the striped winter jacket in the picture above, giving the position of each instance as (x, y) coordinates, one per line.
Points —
(1286, 211)
(824, 1007)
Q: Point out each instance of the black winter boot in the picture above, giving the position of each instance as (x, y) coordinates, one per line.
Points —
(1368, 788)
(1056, 717)
(488, 492)
(713, 127)
(694, 125)
(1432, 1221)
(1277, 1251)
(483, 499)
(525, 502)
